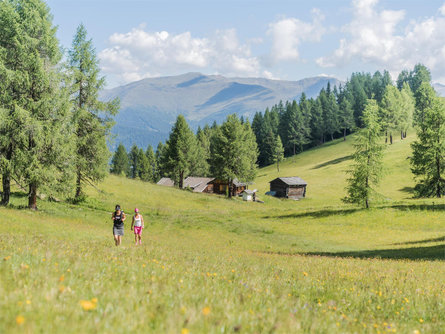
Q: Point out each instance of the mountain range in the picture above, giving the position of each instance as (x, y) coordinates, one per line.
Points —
(149, 107)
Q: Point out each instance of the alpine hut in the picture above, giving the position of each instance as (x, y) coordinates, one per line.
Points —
(199, 184)
(288, 187)
(221, 187)
(166, 182)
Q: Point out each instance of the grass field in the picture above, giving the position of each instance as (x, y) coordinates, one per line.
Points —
(213, 265)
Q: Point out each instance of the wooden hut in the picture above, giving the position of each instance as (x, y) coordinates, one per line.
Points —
(166, 182)
(199, 184)
(288, 187)
(220, 187)
(249, 195)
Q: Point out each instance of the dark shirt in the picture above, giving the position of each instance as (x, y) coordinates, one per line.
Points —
(118, 222)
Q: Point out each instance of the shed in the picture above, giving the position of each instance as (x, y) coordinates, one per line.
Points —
(249, 195)
(289, 187)
(166, 181)
(220, 187)
(199, 184)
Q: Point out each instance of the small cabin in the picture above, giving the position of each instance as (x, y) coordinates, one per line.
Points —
(199, 184)
(220, 187)
(249, 195)
(288, 187)
(166, 182)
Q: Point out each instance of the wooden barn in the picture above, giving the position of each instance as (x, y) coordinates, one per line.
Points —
(220, 187)
(199, 184)
(288, 187)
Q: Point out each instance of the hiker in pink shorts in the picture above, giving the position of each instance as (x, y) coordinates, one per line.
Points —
(137, 224)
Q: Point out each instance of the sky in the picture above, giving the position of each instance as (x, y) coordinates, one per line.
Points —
(279, 39)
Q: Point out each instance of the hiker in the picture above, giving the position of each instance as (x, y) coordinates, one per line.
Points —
(137, 225)
(118, 218)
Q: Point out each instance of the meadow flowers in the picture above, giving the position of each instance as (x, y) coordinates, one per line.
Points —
(206, 310)
(89, 305)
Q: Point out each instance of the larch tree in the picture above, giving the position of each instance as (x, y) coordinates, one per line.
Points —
(234, 152)
(428, 157)
(278, 151)
(92, 117)
(36, 104)
(366, 170)
(180, 152)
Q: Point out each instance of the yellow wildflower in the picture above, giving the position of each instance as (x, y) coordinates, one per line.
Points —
(20, 319)
(87, 305)
(185, 331)
(206, 310)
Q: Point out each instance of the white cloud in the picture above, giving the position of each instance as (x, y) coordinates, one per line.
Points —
(288, 33)
(139, 54)
(373, 36)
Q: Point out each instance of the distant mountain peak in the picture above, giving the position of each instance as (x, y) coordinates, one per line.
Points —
(150, 106)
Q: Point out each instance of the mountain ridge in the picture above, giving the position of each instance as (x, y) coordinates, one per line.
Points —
(150, 106)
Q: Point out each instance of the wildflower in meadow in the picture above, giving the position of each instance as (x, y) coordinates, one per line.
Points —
(206, 310)
(20, 319)
(89, 305)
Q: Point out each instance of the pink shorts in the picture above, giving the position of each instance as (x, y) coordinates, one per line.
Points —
(138, 230)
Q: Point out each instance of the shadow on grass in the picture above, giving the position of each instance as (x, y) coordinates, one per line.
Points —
(333, 212)
(408, 190)
(333, 162)
(430, 253)
(426, 241)
(318, 214)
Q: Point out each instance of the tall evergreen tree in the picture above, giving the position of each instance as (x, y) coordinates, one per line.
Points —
(120, 163)
(428, 158)
(133, 158)
(234, 152)
(317, 125)
(278, 151)
(92, 117)
(181, 151)
(151, 158)
(366, 170)
(31, 89)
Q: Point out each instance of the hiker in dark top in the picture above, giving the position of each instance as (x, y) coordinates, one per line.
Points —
(118, 218)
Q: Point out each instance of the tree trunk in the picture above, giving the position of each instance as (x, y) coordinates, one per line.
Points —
(332, 136)
(181, 179)
(32, 197)
(438, 190)
(294, 148)
(6, 182)
(390, 138)
(386, 137)
(78, 185)
(344, 134)
(401, 135)
(230, 185)
(278, 166)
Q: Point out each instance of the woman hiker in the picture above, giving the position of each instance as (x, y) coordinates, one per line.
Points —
(137, 225)
(118, 218)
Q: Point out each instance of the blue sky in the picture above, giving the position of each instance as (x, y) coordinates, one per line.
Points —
(279, 39)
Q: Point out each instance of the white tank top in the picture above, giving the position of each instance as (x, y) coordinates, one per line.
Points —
(137, 221)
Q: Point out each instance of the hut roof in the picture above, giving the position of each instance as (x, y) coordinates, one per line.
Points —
(198, 184)
(250, 192)
(291, 181)
(166, 181)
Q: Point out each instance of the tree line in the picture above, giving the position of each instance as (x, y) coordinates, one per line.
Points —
(53, 128)
(227, 152)
(412, 103)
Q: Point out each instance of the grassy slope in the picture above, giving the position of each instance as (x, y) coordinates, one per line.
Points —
(280, 266)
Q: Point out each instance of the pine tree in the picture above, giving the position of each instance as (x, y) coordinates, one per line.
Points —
(92, 117)
(428, 158)
(181, 152)
(391, 111)
(234, 152)
(161, 152)
(32, 90)
(120, 163)
(133, 158)
(366, 170)
(317, 125)
(278, 152)
(151, 158)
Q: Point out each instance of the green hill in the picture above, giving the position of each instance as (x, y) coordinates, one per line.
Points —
(209, 264)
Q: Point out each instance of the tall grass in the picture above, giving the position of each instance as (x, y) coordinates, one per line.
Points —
(212, 265)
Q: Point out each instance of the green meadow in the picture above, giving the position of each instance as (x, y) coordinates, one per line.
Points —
(213, 265)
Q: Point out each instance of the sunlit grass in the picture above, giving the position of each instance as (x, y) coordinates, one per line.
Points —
(208, 264)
